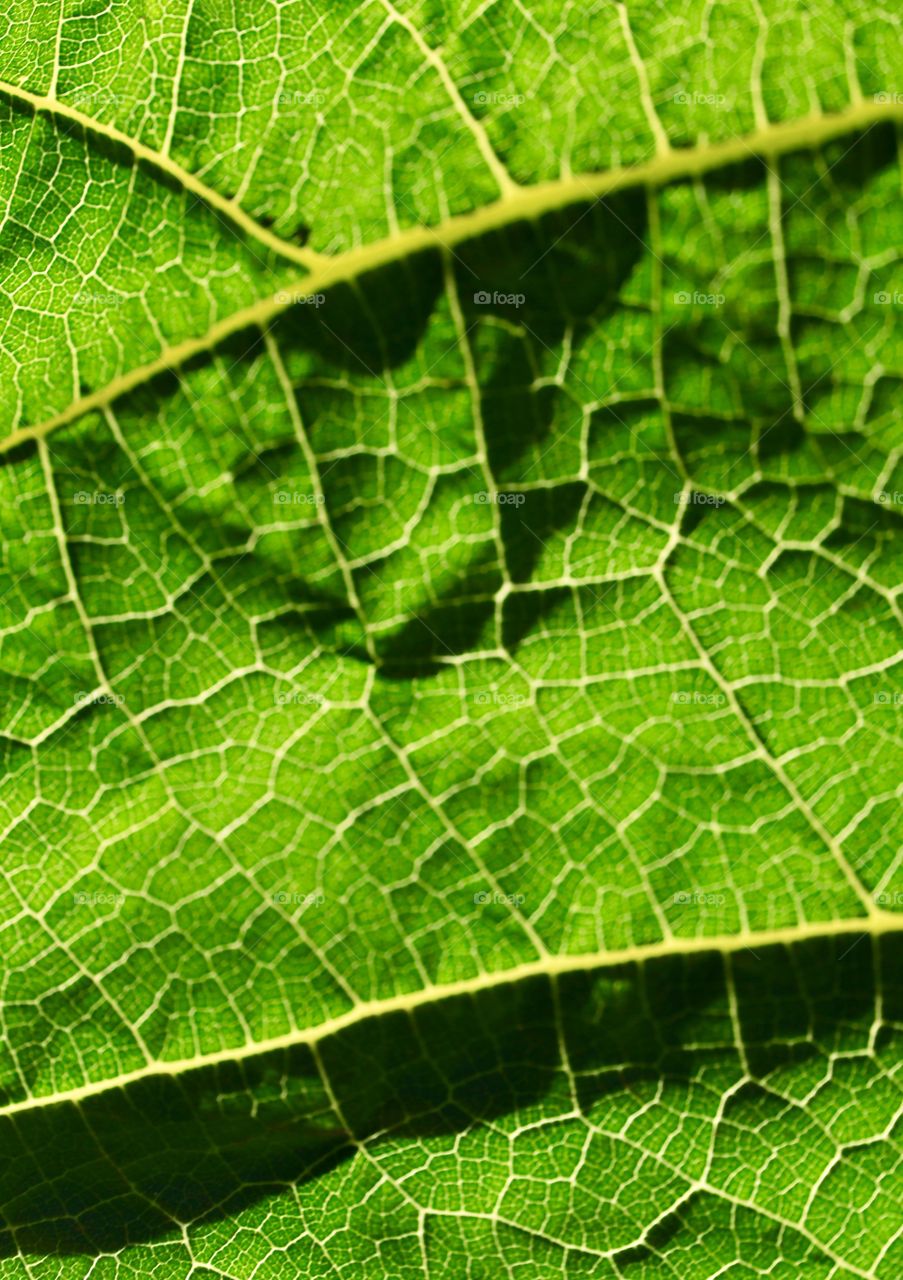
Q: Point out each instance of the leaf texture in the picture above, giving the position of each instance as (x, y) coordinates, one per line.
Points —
(451, 492)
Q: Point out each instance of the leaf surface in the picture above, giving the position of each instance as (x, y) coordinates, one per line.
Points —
(449, 595)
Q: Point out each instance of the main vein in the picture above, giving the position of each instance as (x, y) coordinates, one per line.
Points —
(876, 925)
(523, 203)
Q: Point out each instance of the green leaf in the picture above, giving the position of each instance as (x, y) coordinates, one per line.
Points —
(451, 491)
